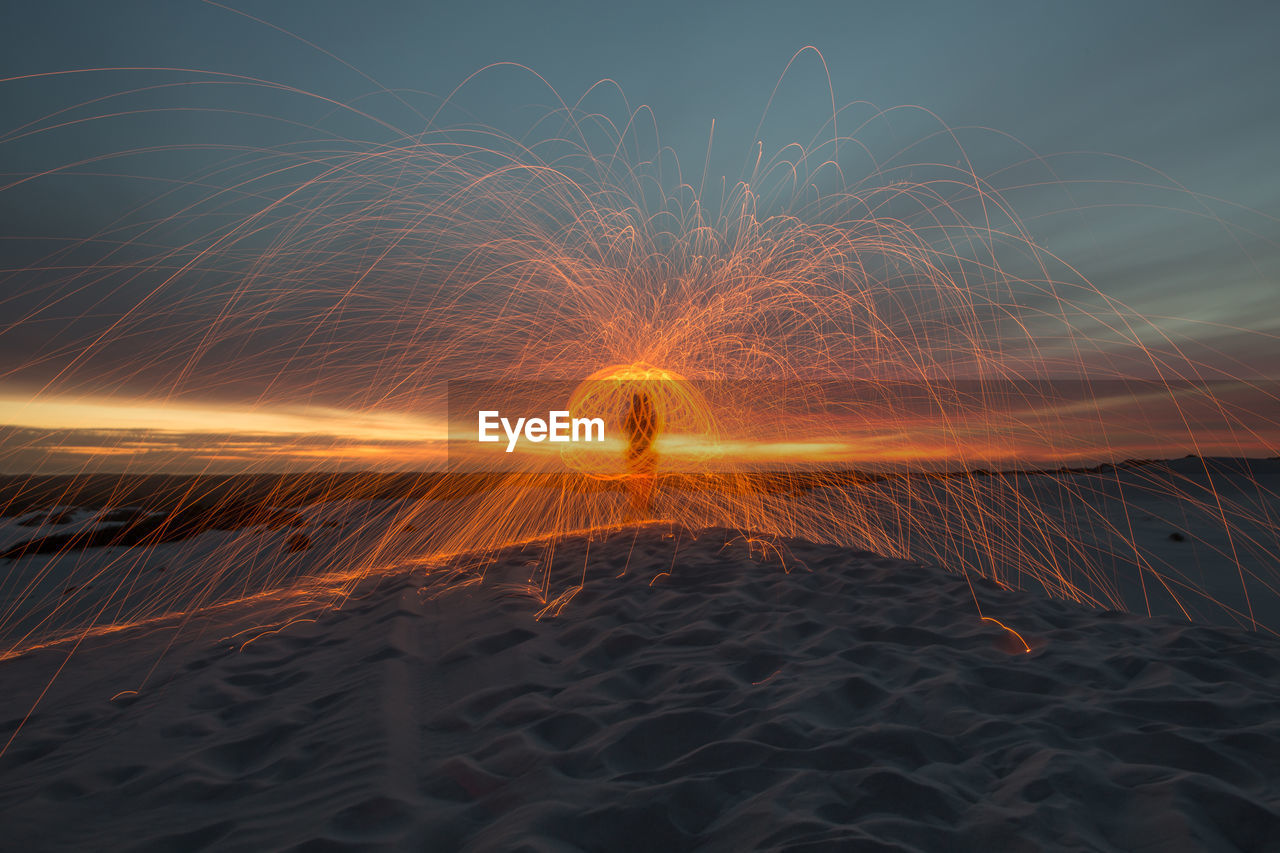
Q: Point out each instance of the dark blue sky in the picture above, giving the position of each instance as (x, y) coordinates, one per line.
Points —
(1189, 89)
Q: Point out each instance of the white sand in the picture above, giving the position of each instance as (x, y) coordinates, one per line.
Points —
(854, 703)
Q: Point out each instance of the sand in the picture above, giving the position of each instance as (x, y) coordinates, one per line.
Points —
(696, 694)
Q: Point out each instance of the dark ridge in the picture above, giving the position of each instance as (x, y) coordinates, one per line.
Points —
(20, 493)
(143, 510)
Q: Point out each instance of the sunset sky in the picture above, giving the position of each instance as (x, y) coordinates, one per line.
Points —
(1158, 120)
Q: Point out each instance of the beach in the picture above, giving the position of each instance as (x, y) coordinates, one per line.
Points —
(703, 690)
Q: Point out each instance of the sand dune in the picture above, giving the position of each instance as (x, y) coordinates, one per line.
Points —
(705, 698)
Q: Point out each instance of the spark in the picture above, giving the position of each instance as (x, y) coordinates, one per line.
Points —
(873, 358)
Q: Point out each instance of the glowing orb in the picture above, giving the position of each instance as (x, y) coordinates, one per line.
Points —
(685, 434)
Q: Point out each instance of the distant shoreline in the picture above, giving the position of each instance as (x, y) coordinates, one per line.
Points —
(24, 493)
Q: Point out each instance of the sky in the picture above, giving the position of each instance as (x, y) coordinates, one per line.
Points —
(1174, 203)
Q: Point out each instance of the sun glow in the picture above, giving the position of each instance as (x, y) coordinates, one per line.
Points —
(108, 413)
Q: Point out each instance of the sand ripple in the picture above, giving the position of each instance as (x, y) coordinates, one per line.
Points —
(854, 703)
